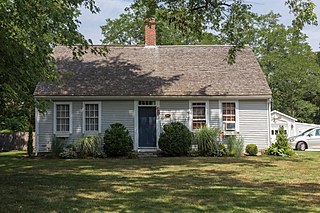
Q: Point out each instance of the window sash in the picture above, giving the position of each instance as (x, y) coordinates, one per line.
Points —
(229, 112)
(62, 117)
(198, 115)
(91, 117)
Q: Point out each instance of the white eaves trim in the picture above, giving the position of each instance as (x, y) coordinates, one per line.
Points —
(190, 97)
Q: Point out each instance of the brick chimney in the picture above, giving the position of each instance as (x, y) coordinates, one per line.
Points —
(150, 32)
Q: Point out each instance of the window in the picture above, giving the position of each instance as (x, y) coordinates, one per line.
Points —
(229, 116)
(62, 117)
(198, 115)
(147, 103)
(91, 117)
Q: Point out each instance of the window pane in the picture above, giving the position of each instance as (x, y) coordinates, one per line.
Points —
(62, 117)
(198, 115)
(91, 117)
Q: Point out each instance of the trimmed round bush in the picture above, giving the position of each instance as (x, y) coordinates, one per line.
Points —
(251, 149)
(175, 140)
(117, 140)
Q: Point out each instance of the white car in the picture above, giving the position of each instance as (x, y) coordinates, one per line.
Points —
(309, 139)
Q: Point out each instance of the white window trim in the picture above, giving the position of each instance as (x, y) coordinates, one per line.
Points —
(207, 112)
(55, 118)
(237, 114)
(84, 116)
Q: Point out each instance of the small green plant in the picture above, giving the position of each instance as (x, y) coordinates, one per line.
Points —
(88, 146)
(57, 145)
(281, 146)
(252, 149)
(68, 154)
(30, 142)
(175, 140)
(117, 140)
(207, 140)
(234, 145)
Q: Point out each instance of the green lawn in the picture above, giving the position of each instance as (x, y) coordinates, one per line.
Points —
(248, 184)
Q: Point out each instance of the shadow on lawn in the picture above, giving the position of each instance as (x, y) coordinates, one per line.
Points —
(147, 185)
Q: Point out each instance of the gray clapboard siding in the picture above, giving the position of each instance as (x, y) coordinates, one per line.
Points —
(76, 121)
(253, 122)
(214, 114)
(178, 110)
(45, 129)
(118, 112)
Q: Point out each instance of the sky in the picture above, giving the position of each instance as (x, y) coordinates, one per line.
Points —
(90, 23)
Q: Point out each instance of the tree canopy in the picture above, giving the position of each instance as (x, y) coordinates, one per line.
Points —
(29, 30)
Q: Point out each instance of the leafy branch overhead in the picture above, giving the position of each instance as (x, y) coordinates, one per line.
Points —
(230, 20)
(28, 34)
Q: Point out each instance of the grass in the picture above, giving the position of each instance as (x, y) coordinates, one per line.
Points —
(246, 184)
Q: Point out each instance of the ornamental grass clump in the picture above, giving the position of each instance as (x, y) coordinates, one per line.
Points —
(57, 146)
(234, 146)
(208, 143)
(88, 146)
(175, 140)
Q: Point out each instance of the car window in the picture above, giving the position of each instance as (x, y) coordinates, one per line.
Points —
(318, 132)
(312, 133)
(305, 132)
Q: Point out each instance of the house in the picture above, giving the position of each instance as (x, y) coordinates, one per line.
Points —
(290, 125)
(145, 87)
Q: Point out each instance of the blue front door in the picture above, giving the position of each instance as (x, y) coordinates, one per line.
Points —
(147, 127)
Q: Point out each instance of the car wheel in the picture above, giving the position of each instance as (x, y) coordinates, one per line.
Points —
(301, 146)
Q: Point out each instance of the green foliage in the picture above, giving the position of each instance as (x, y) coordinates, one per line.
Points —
(88, 146)
(251, 149)
(207, 140)
(281, 146)
(57, 145)
(290, 66)
(129, 29)
(30, 142)
(234, 145)
(68, 154)
(29, 31)
(175, 140)
(231, 20)
(117, 140)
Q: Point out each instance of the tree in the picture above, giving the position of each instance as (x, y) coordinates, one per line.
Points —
(29, 31)
(290, 66)
(129, 29)
(230, 19)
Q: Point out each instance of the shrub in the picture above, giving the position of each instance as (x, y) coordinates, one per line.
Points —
(252, 149)
(68, 154)
(30, 142)
(57, 145)
(281, 146)
(117, 140)
(88, 146)
(235, 145)
(175, 140)
(207, 140)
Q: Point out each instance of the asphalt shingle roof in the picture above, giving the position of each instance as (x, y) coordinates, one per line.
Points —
(157, 71)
